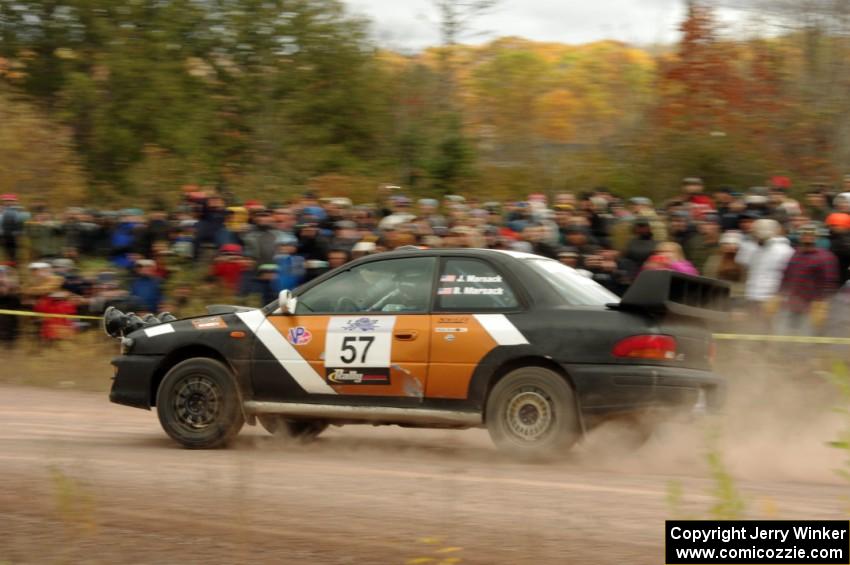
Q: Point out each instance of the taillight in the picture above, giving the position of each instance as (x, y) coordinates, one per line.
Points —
(661, 347)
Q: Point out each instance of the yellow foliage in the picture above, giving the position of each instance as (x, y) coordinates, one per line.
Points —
(37, 161)
(555, 115)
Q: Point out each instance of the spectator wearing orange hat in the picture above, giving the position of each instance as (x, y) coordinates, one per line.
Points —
(839, 236)
(838, 220)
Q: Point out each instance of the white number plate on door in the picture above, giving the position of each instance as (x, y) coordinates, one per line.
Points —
(364, 341)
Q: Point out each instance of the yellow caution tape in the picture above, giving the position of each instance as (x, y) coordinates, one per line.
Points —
(44, 315)
(785, 338)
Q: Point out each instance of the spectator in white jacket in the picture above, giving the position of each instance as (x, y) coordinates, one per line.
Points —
(765, 255)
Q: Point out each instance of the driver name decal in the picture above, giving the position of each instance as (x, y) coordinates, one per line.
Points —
(470, 279)
(470, 290)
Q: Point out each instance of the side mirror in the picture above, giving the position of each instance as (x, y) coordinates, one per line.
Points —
(286, 303)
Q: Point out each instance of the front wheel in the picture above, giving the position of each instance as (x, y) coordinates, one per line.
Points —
(531, 413)
(198, 404)
(304, 431)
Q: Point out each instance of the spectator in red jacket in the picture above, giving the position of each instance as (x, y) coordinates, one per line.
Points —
(810, 280)
(54, 329)
(692, 192)
(230, 266)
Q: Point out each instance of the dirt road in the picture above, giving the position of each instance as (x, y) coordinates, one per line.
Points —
(85, 481)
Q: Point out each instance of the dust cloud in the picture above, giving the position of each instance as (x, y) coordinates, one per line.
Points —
(778, 416)
(775, 425)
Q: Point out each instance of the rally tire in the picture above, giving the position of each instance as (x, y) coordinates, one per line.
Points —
(303, 431)
(198, 404)
(531, 414)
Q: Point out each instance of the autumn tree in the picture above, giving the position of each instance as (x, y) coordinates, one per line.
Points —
(276, 91)
(37, 160)
(698, 87)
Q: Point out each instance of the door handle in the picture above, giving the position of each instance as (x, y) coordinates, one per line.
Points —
(405, 335)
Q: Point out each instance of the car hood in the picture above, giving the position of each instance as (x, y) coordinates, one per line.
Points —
(218, 309)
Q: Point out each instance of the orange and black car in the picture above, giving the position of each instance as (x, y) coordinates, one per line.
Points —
(451, 338)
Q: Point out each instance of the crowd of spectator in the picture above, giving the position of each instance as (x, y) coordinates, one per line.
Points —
(785, 258)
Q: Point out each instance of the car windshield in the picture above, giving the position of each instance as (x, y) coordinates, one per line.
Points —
(576, 289)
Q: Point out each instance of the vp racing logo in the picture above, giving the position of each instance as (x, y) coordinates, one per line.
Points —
(299, 336)
(362, 377)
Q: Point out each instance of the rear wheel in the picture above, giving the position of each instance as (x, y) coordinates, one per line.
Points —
(198, 404)
(531, 413)
(302, 430)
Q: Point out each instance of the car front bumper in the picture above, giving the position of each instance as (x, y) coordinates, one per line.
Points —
(132, 383)
(604, 390)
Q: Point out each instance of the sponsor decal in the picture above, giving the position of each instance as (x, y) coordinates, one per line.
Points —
(361, 325)
(450, 330)
(452, 320)
(448, 278)
(159, 330)
(299, 335)
(449, 337)
(360, 376)
(211, 323)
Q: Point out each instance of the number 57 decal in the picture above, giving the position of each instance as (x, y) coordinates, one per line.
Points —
(364, 342)
(349, 349)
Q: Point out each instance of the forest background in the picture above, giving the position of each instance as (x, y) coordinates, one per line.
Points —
(124, 102)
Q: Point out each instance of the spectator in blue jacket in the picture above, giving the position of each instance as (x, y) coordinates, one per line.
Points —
(125, 238)
(146, 286)
(290, 265)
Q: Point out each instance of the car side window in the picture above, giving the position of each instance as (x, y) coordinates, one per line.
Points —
(472, 285)
(393, 285)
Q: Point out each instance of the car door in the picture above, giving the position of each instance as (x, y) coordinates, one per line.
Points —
(363, 332)
(467, 323)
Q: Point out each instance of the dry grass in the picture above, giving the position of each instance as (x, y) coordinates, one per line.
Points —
(80, 363)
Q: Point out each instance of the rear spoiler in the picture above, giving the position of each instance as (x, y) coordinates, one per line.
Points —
(684, 295)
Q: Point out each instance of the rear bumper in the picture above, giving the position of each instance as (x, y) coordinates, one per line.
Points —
(131, 385)
(607, 389)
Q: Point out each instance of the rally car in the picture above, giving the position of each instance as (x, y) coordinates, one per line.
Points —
(455, 338)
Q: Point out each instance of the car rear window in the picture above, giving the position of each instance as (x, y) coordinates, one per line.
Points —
(575, 289)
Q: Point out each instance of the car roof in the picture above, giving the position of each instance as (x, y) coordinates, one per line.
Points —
(413, 251)
(506, 260)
